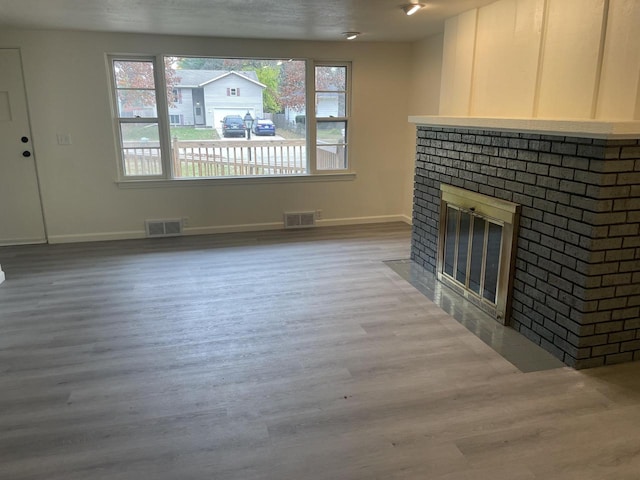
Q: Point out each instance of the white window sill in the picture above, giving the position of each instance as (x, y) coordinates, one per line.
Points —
(197, 182)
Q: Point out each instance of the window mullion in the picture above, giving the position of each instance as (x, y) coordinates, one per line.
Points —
(332, 119)
(135, 89)
(163, 117)
(138, 119)
(310, 122)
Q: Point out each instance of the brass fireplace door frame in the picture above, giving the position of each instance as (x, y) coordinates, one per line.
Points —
(498, 211)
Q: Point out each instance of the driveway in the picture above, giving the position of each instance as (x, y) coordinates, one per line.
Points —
(253, 137)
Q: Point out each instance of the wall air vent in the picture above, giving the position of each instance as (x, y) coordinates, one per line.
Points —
(163, 228)
(299, 219)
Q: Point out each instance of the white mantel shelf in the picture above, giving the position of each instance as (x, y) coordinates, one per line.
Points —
(573, 128)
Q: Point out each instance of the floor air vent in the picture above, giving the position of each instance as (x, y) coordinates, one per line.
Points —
(299, 219)
(163, 228)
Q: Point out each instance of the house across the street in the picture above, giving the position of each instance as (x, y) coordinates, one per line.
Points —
(202, 98)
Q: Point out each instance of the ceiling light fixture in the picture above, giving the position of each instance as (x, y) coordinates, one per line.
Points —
(351, 35)
(412, 8)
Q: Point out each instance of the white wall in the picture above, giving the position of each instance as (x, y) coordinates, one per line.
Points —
(570, 65)
(67, 87)
(506, 58)
(426, 73)
(620, 80)
(544, 58)
(457, 63)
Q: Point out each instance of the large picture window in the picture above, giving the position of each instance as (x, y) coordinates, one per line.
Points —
(184, 117)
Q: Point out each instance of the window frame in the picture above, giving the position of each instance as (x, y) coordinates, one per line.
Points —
(346, 118)
(161, 120)
(164, 127)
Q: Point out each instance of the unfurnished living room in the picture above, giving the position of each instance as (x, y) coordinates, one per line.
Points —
(330, 239)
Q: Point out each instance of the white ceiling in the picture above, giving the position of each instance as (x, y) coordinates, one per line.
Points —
(378, 20)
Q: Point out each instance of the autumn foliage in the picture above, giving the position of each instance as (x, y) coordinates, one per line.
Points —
(285, 80)
(137, 77)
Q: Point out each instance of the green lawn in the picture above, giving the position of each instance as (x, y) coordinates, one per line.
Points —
(136, 132)
(192, 133)
(289, 134)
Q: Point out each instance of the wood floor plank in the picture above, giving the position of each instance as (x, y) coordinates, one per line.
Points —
(278, 355)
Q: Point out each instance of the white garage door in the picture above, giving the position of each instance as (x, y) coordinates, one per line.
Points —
(220, 113)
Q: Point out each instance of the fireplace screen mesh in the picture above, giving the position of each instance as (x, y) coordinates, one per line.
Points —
(472, 252)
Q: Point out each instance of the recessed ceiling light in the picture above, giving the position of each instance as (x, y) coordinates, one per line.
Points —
(412, 8)
(351, 35)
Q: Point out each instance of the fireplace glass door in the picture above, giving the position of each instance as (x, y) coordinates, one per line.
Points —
(476, 248)
(472, 252)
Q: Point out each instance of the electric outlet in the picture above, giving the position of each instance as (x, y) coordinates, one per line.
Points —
(185, 221)
(318, 214)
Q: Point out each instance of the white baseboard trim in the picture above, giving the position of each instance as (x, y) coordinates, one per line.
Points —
(97, 237)
(335, 222)
(23, 241)
(250, 227)
(407, 219)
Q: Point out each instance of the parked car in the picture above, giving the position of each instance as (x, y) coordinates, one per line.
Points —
(233, 126)
(264, 127)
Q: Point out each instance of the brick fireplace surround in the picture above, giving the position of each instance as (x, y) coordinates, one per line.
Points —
(576, 288)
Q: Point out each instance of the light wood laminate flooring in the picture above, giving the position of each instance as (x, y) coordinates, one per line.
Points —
(279, 355)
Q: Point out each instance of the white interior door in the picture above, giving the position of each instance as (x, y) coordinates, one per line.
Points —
(21, 218)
